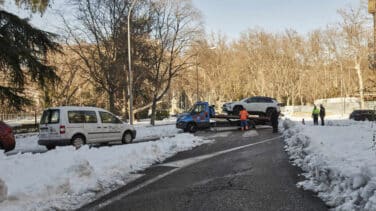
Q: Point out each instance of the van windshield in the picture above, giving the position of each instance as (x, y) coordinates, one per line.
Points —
(50, 116)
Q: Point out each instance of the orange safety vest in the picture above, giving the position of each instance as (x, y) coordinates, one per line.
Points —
(243, 115)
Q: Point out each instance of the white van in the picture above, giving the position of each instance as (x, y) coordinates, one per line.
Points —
(72, 125)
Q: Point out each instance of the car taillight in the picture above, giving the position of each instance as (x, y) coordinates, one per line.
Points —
(62, 129)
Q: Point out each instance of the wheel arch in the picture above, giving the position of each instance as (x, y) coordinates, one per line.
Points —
(238, 105)
(191, 123)
(128, 131)
(271, 108)
(79, 134)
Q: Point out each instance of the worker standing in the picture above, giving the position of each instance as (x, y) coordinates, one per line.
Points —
(274, 120)
(315, 115)
(244, 119)
(322, 114)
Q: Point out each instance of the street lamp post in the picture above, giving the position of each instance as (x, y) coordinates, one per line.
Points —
(130, 65)
(197, 98)
(372, 10)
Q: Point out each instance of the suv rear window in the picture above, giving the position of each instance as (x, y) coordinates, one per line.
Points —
(51, 116)
(267, 100)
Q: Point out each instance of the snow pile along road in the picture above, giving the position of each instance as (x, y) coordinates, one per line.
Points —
(29, 142)
(156, 131)
(339, 161)
(66, 178)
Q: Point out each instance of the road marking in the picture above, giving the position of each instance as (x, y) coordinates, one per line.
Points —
(179, 165)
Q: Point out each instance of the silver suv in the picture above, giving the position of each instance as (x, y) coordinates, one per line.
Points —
(263, 106)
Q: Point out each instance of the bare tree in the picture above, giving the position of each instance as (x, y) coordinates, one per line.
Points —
(176, 25)
(355, 41)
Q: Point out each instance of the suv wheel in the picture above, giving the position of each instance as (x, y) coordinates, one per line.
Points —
(78, 141)
(236, 110)
(127, 138)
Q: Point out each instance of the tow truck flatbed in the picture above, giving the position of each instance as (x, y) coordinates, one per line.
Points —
(202, 116)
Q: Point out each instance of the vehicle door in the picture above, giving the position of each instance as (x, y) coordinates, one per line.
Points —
(112, 126)
(76, 120)
(93, 127)
(251, 104)
(200, 115)
(49, 126)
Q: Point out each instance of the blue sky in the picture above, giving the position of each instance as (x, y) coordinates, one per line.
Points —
(231, 17)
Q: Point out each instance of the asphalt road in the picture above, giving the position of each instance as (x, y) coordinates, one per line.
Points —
(257, 176)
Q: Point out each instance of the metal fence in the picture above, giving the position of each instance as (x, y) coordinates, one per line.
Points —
(22, 122)
(343, 108)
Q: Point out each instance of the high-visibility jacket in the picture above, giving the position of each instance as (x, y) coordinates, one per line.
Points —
(316, 111)
(243, 115)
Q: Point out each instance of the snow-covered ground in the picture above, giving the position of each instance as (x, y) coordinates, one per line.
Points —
(66, 178)
(339, 161)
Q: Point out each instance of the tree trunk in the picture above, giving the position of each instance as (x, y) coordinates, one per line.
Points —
(153, 111)
(360, 78)
(125, 106)
(111, 101)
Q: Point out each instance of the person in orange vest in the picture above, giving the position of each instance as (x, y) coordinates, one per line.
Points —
(244, 119)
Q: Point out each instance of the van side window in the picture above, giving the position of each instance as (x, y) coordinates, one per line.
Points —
(109, 118)
(90, 117)
(76, 117)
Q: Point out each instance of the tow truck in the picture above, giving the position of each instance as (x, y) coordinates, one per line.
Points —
(202, 116)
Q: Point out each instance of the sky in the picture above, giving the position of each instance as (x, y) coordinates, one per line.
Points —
(232, 17)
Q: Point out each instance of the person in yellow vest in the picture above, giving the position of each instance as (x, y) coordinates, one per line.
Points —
(315, 115)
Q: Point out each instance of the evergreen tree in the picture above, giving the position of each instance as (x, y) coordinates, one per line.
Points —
(23, 51)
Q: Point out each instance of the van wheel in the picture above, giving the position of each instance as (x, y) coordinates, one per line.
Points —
(78, 141)
(50, 147)
(127, 138)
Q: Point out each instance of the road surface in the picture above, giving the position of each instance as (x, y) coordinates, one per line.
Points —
(239, 171)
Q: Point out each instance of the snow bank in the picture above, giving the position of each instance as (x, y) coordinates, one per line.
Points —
(156, 131)
(29, 142)
(66, 178)
(339, 161)
(3, 191)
